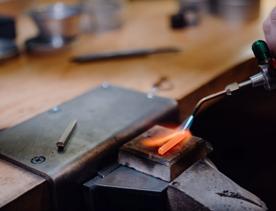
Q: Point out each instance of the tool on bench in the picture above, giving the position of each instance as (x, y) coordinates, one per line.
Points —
(123, 54)
(58, 27)
(8, 47)
(162, 84)
(266, 77)
(62, 142)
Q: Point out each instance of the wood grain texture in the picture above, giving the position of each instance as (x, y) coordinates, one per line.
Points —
(14, 182)
(31, 84)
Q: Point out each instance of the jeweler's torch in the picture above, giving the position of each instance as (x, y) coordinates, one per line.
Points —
(266, 78)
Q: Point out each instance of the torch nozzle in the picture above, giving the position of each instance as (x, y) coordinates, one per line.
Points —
(186, 125)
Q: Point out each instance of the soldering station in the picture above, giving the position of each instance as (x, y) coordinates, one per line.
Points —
(96, 120)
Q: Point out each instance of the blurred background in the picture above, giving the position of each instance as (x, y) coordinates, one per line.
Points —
(71, 18)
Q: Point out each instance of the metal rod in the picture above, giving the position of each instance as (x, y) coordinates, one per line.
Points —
(245, 83)
(62, 142)
(123, 54)
(207, 98)
(227, 91)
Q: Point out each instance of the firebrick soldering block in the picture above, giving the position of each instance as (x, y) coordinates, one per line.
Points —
(146, 159)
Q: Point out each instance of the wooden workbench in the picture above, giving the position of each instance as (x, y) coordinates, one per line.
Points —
(32, 84)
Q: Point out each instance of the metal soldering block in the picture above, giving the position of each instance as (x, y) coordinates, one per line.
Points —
(145, 159)
(124, 189)
(107, 117)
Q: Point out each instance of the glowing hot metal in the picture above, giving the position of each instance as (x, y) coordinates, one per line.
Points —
(180, 136)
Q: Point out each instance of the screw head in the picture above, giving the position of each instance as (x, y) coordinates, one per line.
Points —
(150, 96)
(105, 85)
(38, 159)
(55, 109)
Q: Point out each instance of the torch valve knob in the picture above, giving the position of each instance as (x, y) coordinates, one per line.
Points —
(261, 52)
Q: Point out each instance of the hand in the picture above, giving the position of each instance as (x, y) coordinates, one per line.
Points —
(269, 28)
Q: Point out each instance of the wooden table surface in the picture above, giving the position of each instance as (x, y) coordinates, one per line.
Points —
(32, 84)
(15, 181)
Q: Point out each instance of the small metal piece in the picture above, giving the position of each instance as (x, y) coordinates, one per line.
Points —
(177, 21)
(188, 15)
(152, 93)
(66, 136)
(163, 84)
(38, 159)
(231, 88)
(258, 80)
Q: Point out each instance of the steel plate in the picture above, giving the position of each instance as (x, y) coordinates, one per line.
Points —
(107, 117)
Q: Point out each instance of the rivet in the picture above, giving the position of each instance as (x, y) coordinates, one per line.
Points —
(105, 85)
(38, 159)
(150, 96)
(55, 109)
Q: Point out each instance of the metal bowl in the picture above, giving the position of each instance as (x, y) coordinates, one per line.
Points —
(202, 6)
(239, 10)
(8, 49)
(42, 45)
(57, 20)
